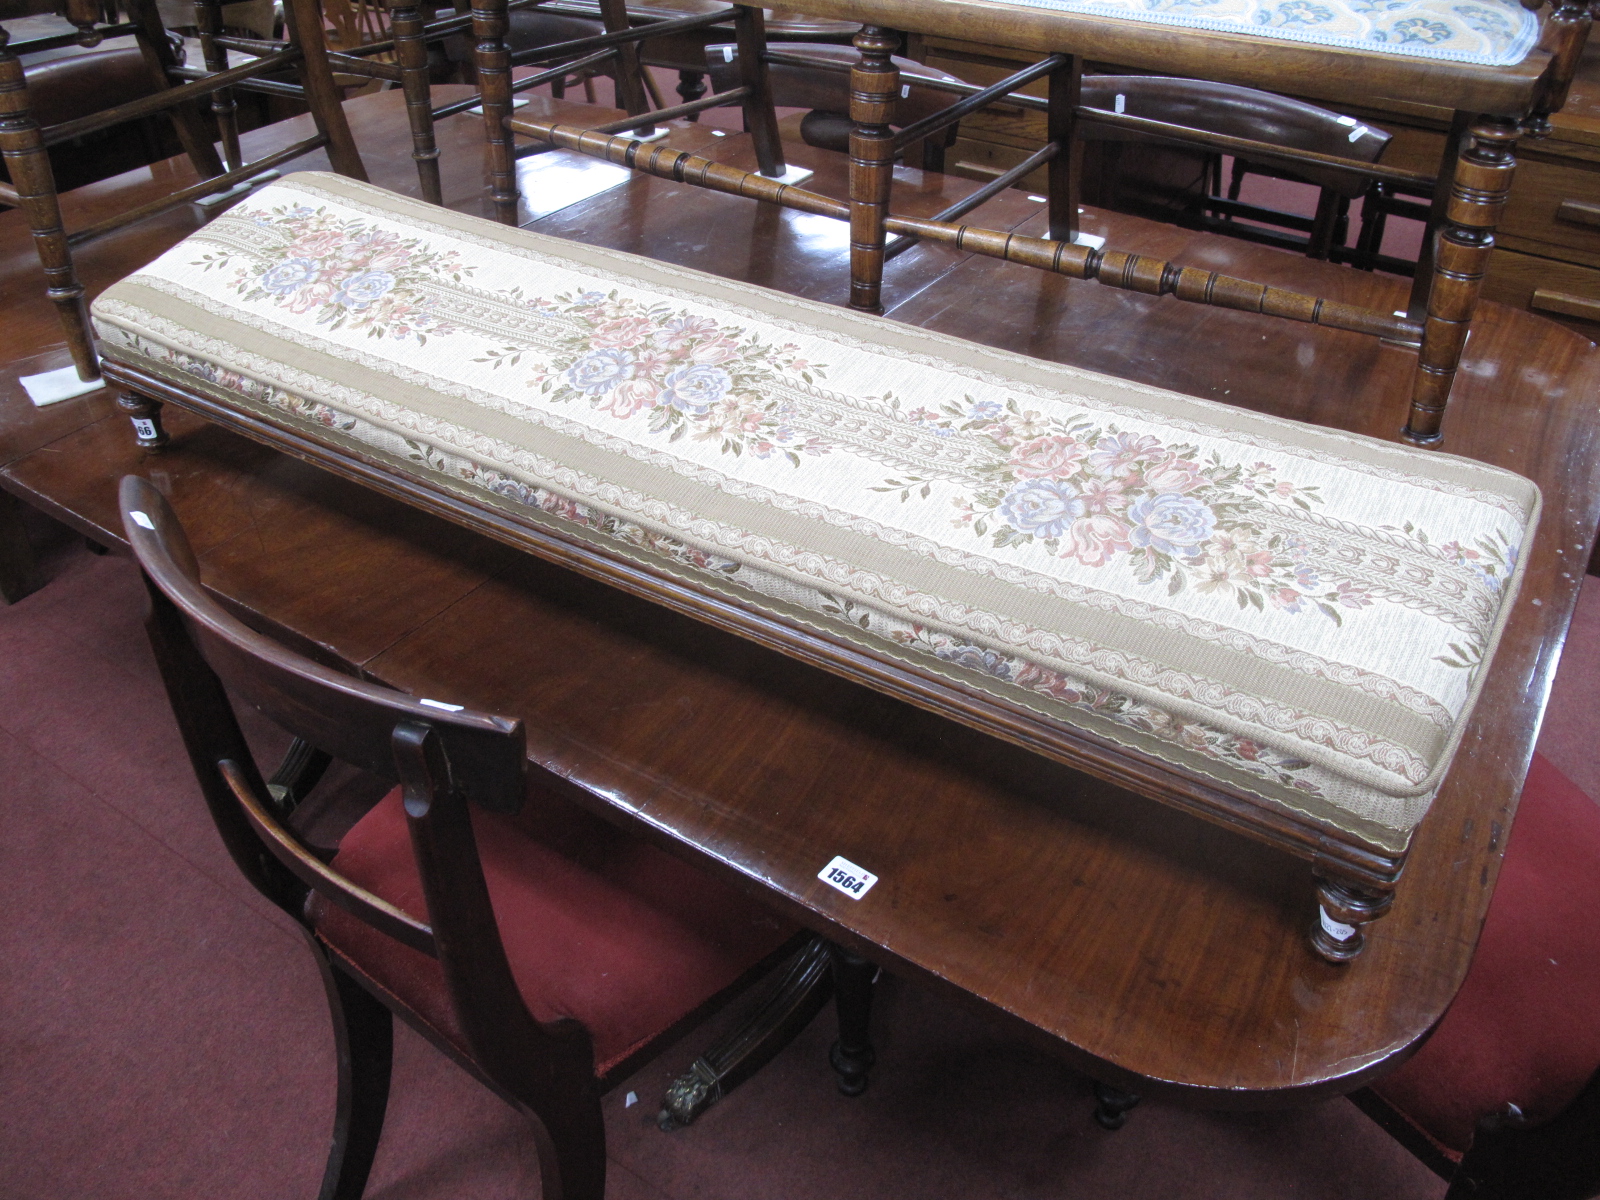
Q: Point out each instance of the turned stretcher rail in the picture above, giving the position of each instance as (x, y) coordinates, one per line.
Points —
(1113, 268)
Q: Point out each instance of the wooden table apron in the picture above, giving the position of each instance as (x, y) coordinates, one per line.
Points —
(1140, 944)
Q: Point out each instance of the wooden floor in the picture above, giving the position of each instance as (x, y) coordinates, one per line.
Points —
(1133, 940)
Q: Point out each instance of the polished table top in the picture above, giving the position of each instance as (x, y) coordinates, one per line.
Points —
(1128, 937)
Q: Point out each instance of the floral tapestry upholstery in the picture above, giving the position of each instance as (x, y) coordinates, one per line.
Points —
(1487, 33)
(1298, 615)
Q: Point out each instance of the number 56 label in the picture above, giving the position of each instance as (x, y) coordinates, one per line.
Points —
(843, 875)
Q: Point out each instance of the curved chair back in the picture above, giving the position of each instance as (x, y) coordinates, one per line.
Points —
(1238, 112)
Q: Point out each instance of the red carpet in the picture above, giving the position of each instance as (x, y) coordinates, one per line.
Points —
(164, 1033)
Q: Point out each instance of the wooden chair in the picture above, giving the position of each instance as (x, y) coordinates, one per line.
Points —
(177, 89)
(1171, 180)
(816, 76)
(540, 948)
(1504, 1099)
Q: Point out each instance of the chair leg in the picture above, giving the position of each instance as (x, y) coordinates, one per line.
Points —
(852, 1055)
(1461, 258)
(1112, 1105)
(405, 22)
(492, 64)
(571, 1139)
(304, 19)
(874, 88)
(23, 146)
(16, 553)
(161, 62)
(363, 1031)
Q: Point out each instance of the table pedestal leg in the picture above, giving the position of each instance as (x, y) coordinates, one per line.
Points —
(1112, 1105)
(852, 1055)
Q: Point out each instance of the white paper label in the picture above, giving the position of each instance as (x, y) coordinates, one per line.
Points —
(1121, 103)
(1337, 930)
(142, 520)
(727, 54)
(440, 704)
(1345, 120)
(905, 90)
(144, 427)
(1355, 134)
(843, 875)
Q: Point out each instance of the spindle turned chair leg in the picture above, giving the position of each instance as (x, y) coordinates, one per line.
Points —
(760, 118)
(411, 54)
(1461, 254)
(874, 88)
(208, 15)
(363, 1033)
(145, 413)
(22, 144)
(852, 1056)
(1112, 1105)
(691, 86)
(492, 61)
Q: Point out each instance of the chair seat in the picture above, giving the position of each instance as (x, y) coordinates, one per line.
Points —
(1489, 33)
(613, 933)
(1525, 1027)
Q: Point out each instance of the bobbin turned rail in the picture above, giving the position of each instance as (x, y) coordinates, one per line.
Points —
(1471, 185)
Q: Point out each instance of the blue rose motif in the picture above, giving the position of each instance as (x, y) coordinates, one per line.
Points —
(1420, 29)
(1043, 507)
(361, 290)
(975, 658)
(695, 389)
(289, 276)
(600, 370)
(985, 410)
(1170, 522)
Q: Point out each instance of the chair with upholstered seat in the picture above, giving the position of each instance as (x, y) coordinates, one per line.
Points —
(542, 949)
(1504, 1099)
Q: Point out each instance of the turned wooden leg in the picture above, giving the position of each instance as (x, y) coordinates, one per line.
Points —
(1112, 1106)
(1461, 257)
(23, 147)
(411, 53)
(492, 61)
(1566, 32)
(208, 15)
(1065, 172)
(1343, 909)
(146, 417)
(852, 1055)
(795, 994)
(691, 86)
(84, 14)
(874, 88)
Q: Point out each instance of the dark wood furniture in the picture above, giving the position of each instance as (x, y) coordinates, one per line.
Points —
(545, 953)
(1469, 187)
(24, 143)
(1153, 951)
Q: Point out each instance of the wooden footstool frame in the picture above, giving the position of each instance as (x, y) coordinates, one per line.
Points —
(1493, 107)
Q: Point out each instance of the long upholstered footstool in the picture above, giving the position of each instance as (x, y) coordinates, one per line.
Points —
(1280, 626)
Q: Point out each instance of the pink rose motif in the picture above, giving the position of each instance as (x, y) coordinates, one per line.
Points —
(1094, 539)
(308, 298)
(1104, 495)
(315, 245)
(628, 398)
(1047, 457)
(1173, 474)
(621, 334)
(652, 362)
(712, 353)
(1258, 564)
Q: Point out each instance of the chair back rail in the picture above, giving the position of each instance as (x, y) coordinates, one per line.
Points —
(443, 759)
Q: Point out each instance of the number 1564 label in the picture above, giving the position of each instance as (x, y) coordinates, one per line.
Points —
(843, 875)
